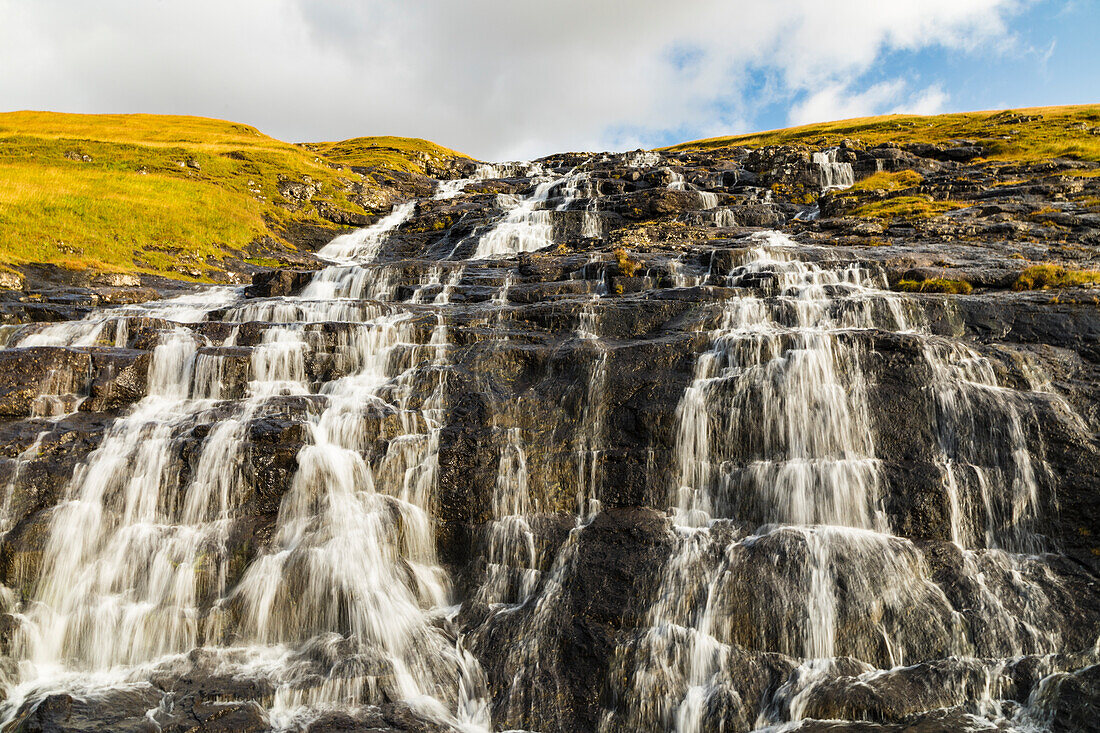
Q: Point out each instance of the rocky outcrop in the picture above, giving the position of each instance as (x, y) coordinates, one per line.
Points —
(525, 413)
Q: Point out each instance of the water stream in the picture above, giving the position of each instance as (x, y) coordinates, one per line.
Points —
(788, 573)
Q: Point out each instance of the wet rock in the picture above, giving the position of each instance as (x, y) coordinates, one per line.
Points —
(273, 283)
(27, 374)
(119, 379)
(121, 710)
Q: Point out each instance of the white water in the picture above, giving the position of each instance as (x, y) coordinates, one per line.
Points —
(777, 466)
(362, 245)
(344, 603)
(342, 606)
(834, 175)
(528, 226)
(485, 171)
(707, 199)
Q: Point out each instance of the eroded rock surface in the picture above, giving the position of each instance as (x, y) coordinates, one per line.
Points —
(603, 442)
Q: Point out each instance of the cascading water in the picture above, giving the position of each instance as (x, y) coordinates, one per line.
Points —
(341, 608)
(835, 175)
(445, 540)
(777, 465)
(528, 225)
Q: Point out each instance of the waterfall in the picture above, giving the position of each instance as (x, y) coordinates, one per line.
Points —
(707, 199)
(751, 489)
(136, 567)
(777, 466)
(485, 171)
(834, 175)
(528, 225)
(362, 245)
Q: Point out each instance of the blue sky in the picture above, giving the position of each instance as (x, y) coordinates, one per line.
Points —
(501, 79)
(1050, 56)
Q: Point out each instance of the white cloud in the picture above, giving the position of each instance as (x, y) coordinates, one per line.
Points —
(840, 102)
(495, 78)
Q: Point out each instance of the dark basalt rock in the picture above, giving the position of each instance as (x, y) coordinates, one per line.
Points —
(119, 379)
(601, 414)
(273, 283)
(27, 373)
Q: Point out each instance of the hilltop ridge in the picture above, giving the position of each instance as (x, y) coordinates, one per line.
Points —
(188, 197)
(200, 199)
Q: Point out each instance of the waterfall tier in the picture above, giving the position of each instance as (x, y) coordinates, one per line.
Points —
(580, 444)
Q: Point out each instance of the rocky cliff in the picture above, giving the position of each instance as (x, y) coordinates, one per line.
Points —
(720, 438)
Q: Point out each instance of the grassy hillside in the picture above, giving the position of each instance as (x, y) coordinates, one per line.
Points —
(1025, 134)
(408, 154)
(173, 195)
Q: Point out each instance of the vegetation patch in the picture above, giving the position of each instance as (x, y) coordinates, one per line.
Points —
(408, 154)
(1045, 277)
(883, 181)
(906, 207)
(935, 285)
(163, 195)
(627, 264)
(1033, 134)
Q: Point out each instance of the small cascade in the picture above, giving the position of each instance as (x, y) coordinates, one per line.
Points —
(590, 427)
(97, 607)
(800, 486)
(109, 326)
(810, 461)
(991, 478)
(643, 159)
(574, 188)
(449, 189)
(724, 217)
(834, 175)
(362, 245)
(528, 225)
(525, 228)
(512, 564)
(707, 199)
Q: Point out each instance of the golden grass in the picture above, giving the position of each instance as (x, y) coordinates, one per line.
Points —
(408, 154)
(1060, 132)
(114, 221)
(161, 194)
(906, 207)
(1046, 277)
(627, 264)
(935, 285)
(888, 181)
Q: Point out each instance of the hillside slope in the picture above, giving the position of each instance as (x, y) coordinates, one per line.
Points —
(186, 197)
(1030, 134)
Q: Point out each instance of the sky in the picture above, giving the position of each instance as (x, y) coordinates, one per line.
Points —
(516, 79)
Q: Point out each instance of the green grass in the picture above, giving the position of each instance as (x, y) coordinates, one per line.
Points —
(1058, 132)
(160, 195)
(906, 207)
(935, 285)
(883, 181)
(409, 154)
(1046, 277)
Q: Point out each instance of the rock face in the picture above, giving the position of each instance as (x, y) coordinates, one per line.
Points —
(618, 443)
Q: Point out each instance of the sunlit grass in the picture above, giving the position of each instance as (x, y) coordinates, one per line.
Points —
(398, 153)
(1045, 277)
(1059, 132)
(906, 207)
(888, 181)
(935, 285)
(107, 220)
(160, 194)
